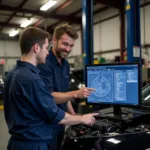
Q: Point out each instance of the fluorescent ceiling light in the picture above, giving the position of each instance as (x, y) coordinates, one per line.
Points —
(48, 5)
(13, 33)
(26, 23)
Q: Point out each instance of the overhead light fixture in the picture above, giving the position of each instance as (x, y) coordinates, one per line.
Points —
(26, 23)
(13, 33)
(48, 5)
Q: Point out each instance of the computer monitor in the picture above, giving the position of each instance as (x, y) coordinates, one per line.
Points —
(115, 84)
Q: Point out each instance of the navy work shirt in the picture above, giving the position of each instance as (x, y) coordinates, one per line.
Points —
(30, 111)
(56, 78)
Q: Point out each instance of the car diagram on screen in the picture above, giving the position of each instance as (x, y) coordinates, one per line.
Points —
(102, 82)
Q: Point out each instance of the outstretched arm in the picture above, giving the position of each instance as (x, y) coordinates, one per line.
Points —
(61, 97)
(87, 119)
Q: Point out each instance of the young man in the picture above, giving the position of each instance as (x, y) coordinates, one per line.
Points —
(55, 73)
(30, 110)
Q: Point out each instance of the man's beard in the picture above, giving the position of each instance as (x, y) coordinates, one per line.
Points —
(61, 53)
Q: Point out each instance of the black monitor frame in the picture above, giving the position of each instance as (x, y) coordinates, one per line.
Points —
(117, 107)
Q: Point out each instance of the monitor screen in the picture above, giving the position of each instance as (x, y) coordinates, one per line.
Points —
(115, 84)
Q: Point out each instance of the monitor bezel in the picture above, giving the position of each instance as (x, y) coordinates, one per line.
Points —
(120, 105)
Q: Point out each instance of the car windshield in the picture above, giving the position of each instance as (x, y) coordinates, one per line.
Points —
(146, 95)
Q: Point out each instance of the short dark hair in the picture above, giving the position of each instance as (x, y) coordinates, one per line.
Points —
(31, 36)
(65, 28)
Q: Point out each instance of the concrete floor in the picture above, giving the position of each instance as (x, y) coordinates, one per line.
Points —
(4, 135)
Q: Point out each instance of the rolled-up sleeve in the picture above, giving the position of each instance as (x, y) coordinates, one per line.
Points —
(44, 103)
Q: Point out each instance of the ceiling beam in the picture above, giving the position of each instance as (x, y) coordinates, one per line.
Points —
(2, 24)
(145, 4)
(62, 6)
(119, 4)
(39, 13)
(51, 27)
(16, 15)
(21, 5)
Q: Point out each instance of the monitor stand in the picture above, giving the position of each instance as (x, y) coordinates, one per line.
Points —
(116, 113)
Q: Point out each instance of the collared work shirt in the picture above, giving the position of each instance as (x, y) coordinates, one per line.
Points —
(30, 110)
(56, 78)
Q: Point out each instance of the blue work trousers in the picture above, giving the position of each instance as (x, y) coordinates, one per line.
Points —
(19, 144)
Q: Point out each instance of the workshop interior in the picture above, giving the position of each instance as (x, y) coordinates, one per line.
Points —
(111, 55)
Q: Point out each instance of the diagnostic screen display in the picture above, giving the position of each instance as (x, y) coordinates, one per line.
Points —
(114, 84)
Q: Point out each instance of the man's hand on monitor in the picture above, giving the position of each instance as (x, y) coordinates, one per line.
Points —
(84, 92)
(89, 119)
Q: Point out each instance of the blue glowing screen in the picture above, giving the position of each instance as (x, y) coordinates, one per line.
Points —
(114, 84)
